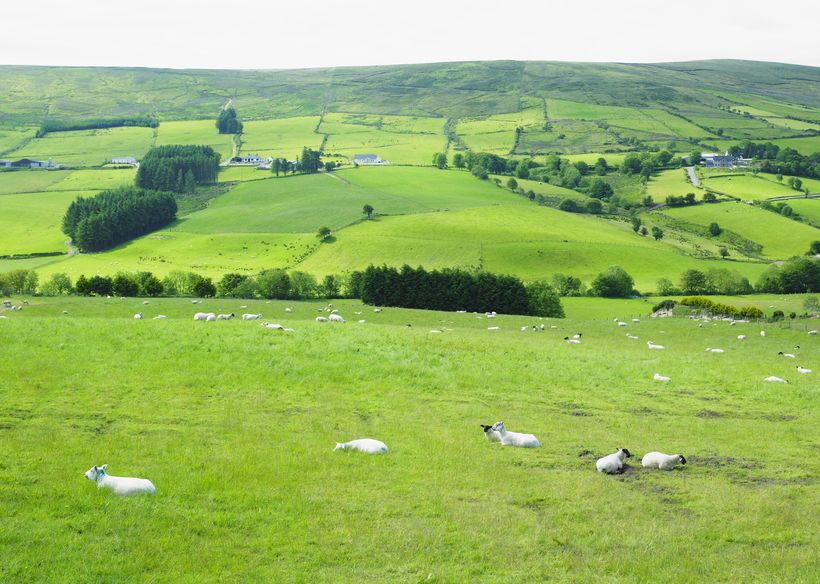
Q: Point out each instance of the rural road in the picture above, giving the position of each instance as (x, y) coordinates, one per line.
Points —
(693, 178)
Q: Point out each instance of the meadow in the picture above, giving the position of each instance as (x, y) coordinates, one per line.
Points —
(12, 138)
(749, 187)
(34, 222)
(283, 138)
(236, 425)
(670, 183)
(88, 147)
(808, 208)
(195, 132)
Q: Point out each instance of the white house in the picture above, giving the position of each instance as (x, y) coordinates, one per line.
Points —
(124, 160)
(367, 159)
(248, 159)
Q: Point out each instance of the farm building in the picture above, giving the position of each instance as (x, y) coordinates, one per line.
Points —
(367, 159)
(5, 163)
(124, 160)
(713, 160)
(248, 159)
(29, 163)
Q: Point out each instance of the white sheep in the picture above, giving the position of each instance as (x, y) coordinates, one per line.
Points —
(145, 302)
(273, 326)
(138, 316)
(288, 309)
(377, 310)
(662, 461)
(120, 485)
(710, 350)
(789, 355)
(491, 434)
(812, 332)
(336, 318)
(366, 445)
(225, 316)
(515, 438)
(203, 315)
(248, 316)
(633, 337)
(652, 345)
(160, 317)
(762, 333)
(493, 328)
(435, 331)
(210, 318)
(362, 321)
(803, 370)
(775, 379)
(613, 463)
(636, 320)
(621, 324)
(659, 377)
(741, 337)
(321, 319)
(572, 341)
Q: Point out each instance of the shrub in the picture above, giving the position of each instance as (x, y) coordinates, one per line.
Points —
(204, 288)
(543, 300)
(664, 305)
(125, 285)
(613, 283)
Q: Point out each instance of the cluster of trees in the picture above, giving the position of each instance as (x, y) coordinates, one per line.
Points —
(684, 200)
(177, 167)
(309, 162)
(778, 160)
(228, 123)
(796, 276)
(117, 215)
(18, 282)
(282, 285)
(714, 281)
(716, 308)
(93, 124)
(646, 163)
(454, 289)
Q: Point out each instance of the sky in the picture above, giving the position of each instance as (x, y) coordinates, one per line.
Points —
(270, 34)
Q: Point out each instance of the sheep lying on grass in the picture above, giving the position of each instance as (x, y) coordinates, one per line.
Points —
(803, 370)
(248, 316)
(491, 434)
(204, 316)
(366, 445)
(515, 438)
(775, 379)
(120, 485)
(659, 377)
(613, 463)
(662, 461)
(652, 345)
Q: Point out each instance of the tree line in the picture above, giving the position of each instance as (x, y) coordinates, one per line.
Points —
(117, 215)
(177, 168)
(776, 160)
(52, 125)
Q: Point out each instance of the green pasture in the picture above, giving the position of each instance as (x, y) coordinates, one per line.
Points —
(568, 137)
(749, 187)
(235, 426)
(89, 147)
(808, 208)
(780, 237)
(496, 134)
(670, 183)
(11, 138)
(777, 107)
(613, 159)
(282, 138)
(94, 179)
(542, 188)
(32, 222)
(29, 181)
(196, 132)
(242, 174)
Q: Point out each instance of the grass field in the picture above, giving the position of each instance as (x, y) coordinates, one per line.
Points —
(749, 187)
(809, 208)
(568, 137)
(242, 174)
(195, 132)
(236, 426)
(780, 237)
(29, 181)
(283, 138)
(670, 183)
(496, 134)
(32, 222)
(94, 179)
(12, 138)
(88, 147)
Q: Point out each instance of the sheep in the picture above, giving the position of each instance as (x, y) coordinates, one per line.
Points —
(577, 336)
(515, 438)
(762, 333)
(633, 337)
(288, 309)
(741, 337)
(160, 317)
(248, 316)
(196, 301)
(336, 318)
(203, 315)
(493, 328)
(710, 350)
(210, 318)
(321, 319)
(435, 331)
(812, 332)
(491, 434)
(334, 311)
(145, 302)
(613, 463)
(659, 377)
(803, 370)
(273, 326)
(362, 321)
(225, 316)
(572, 341)
(636, 320)
(652, 345)
(138, 316)
(621, 324)
(377, 310)
(789, 355)
(120, 485)
(662, 461)
(366, 445)
(775, 379)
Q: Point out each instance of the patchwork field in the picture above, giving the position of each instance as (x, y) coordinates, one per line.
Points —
(252, 417)
(29, 181)
(195, 132)
(88, 147)
(671, 183)
(780, 237)
(12, 138)
(808, 208)
(283, 138)
(749, 187)
(32, 222)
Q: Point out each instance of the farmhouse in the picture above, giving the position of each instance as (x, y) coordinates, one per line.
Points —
(5, 163)
(367, 159)
(29, 163)
(124, 160)
(713, 160)
(248, 159)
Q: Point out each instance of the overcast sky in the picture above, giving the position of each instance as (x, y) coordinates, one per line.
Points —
(268, 34)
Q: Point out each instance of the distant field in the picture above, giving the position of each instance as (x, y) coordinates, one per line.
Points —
(195, 132)
(671, 183)
(88, 147)
(242, 174)
(781, 238)
(397, 139)
(11, 138)
(31, 222)
(613, 159)
(809, 208)
(81, 180)
(496, 134)
(568, 137)
(806, 146)
(29, 181)
(546, 189)
(749, 187)
(282, 138)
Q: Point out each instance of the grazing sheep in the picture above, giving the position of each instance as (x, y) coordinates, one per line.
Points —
(145, 302)
(662, 461)
(775, 379)
(336, 318)
(377, 310)
(621, 324)
(362, 321)
(493, 328)
(709, 350)
(288, 309)
(435, 331)
(515, 438)
(273, 326)
(160, 317)
(210, 318)
(741, 337)
(321, 319)
(225, 316)
(203, 315)
(803, 370)
(577, 336)
(366, 445)
(633, 337)
(812, 333)
(659, 377)
(789, 355)
(138, 316)
(636, 320)
(613, 463)
(491, 434)
(248, 316)
(120, 485)
(572, 341)
(652, 345)
(762, 333)
(196, 301)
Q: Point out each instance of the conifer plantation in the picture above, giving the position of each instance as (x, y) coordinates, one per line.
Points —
(177, 168)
